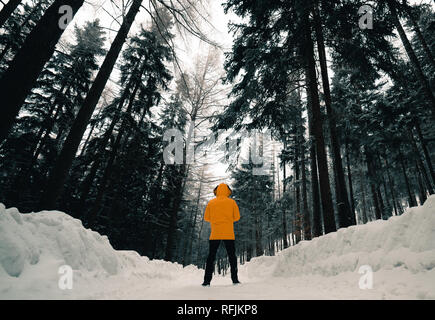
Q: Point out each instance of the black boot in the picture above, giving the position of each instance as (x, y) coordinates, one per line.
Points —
(235, 279)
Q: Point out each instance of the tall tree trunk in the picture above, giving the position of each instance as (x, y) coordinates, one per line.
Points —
(425, 150)
(345, 216)
(284, 226)
(349, 177)
(391, 184)
(380, 201)
(29, 61)
(306, 212)
(258, 236)
(179, 185)
(316, 126)
(423, 196)
(420, 163)
(411, 198)
(91, 132)
(317, 223)
(63, 164)
(192, 229)
(375, 201)
(412, 57)
(284, 212)
(127, 92)
(113, 156)
(387, 211)
(420, 37)
(363, 193)
(373, 187)
(7, 10)
(200, 242)
(298, 216)
(46, 131)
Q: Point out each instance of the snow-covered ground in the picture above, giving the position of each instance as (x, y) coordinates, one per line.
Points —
(400, 252)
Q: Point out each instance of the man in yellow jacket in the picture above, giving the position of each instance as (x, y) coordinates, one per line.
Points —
(221, 212)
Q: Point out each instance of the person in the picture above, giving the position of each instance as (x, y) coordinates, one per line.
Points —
(221, 212)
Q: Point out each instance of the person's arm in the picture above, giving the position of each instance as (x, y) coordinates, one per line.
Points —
(207, 213)
(236, 213)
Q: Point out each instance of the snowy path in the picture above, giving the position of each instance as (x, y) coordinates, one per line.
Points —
(287, 289)
(399, 251)
(339, 287)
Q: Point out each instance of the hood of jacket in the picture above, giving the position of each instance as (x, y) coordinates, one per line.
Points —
(222, 190)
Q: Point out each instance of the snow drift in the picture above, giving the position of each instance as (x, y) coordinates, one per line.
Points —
(33, 246)
(406, 241)
(400, 251)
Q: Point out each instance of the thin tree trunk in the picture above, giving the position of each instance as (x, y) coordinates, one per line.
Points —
(317, 224)
(420, 163)
(380, 201)
(258, 238)
(373, 188)
(386, 212)
(425, 150)
(113, 156)
(391, 184)
(29, 61)
(363, 194)
(412, 201)
(413, 58)
(316, 126)
(284, 216)
(199, 243)
(298, 216)
(179, 186)
(66, 156)
(192, 231)
(349, 177)
(87, 183)
(306, 212)
(420, 37)
(345, 216)
(423, 196)
(284, 226)
(91, 131)
(375, 201)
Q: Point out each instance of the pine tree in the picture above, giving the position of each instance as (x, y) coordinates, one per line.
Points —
(49, 108)
(253, 194)
(30, 60)
(63, 164)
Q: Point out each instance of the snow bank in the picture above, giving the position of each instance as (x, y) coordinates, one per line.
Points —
(406, 241)
(400, 251)
(33, 246)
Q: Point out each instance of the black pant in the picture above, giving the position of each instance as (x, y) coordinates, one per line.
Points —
(231, 251)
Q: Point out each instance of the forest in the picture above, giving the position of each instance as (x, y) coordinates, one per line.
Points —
(343, 88)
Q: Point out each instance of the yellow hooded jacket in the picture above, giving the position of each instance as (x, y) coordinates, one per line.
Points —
(222, 212)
